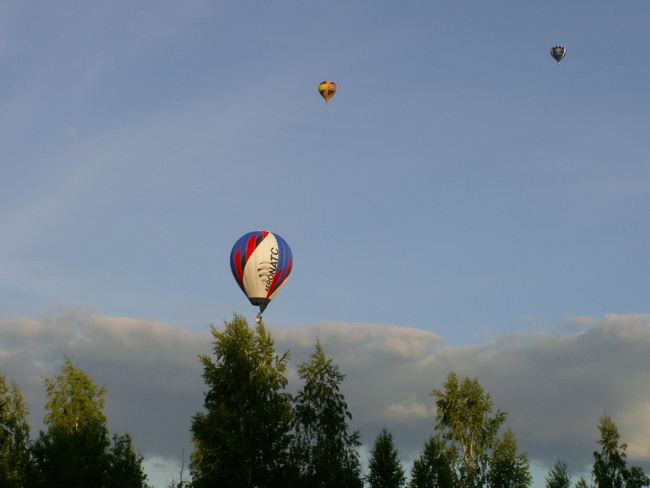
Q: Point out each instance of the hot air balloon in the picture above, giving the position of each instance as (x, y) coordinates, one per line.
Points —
(327, 90)
(261, 262)
(558, 52)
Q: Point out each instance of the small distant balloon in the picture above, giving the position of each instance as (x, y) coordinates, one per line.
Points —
(558, 52)
(261, 263)
(327, 90)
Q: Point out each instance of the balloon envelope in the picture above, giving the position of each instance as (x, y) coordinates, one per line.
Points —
(327, 90)
(558, 52)
(261, 262)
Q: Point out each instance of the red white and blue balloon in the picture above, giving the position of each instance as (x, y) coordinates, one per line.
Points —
(261, 263)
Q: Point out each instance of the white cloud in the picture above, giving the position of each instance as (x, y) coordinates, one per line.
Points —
(407, 411)
(162, 472)
(553, 386)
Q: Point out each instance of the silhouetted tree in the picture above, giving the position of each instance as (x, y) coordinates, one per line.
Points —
(434, 467)
(557, 476)
(385, 468)
(610, 466)
(324, 451)
(508, 468)
(125, 465)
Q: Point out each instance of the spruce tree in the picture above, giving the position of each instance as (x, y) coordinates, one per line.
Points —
(324, 450)
(508, 468)
(435, 466)
(385, 468)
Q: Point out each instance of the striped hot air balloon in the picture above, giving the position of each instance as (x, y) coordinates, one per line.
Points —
(261, 263)
(327, 90)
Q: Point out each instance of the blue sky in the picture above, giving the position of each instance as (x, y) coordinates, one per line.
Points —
(460, 183)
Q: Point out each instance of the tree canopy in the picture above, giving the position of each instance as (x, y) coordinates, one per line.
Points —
(15, 458)
(76, 451)
(508, 467)
(385, 467)
(610, 466)
(253, 434)
(324, 450)
(435, 466)
(241, 439)
(465, 419)
(557, 476)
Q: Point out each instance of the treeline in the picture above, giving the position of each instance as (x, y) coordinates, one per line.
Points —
(76, 449)
(253, 434)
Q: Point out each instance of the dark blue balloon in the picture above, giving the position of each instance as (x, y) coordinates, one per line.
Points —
(558, 52)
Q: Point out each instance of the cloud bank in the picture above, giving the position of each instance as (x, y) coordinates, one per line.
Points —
(553, 385)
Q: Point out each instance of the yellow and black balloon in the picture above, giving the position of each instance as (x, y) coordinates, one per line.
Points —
(327, 90)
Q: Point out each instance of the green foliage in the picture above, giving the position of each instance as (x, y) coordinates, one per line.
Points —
(466, 451)
(464, 418)
(636, 478)
(72, 459)
(434, 467)
(385, 468)
(72, 451)
(253, 434)
(610, 465)
(557, 476)
(242, 438)
(324, 452)
(74, 401)
(75, 452)
(125, 465)
(582, 483)
(508, 469)
(15, 458)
